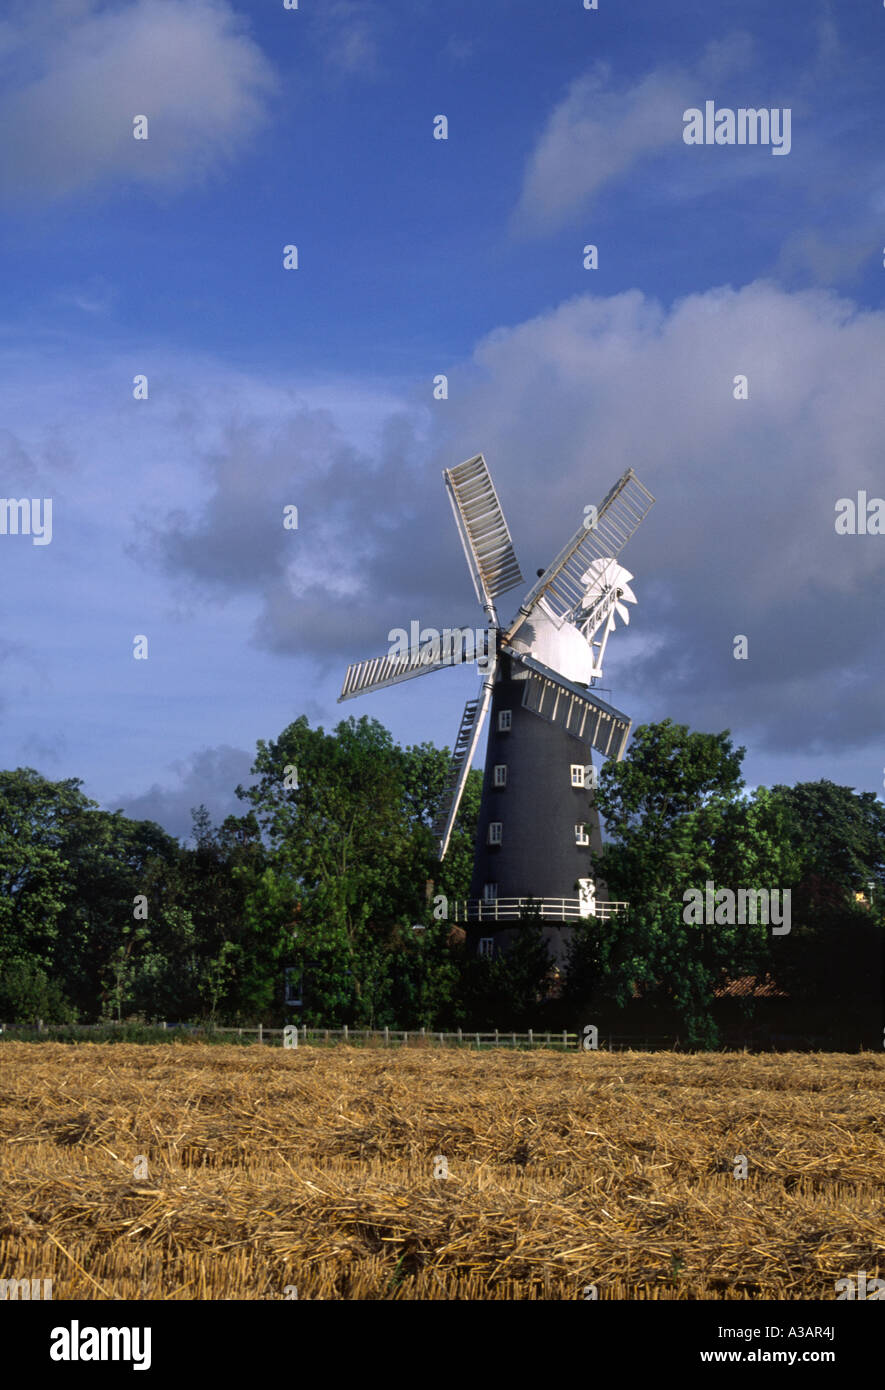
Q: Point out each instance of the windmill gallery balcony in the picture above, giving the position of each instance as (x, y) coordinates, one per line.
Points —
(512, 909)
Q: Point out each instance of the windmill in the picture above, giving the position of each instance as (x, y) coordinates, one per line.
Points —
(534, 836)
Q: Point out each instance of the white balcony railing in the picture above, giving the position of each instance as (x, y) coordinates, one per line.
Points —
(551, 909)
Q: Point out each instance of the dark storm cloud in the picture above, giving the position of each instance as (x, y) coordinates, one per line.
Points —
(374, 547)
(208, 778)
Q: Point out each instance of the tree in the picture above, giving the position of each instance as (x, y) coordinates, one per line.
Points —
(27, 994)
(69, 873)
(668, 776)
(328, 871)
(504, 990)
(839, 834)
(424, 982)
(35, 876)
(117, 867)
(587, 961)
(217, 879)
(426, 770)
(837, 945)
(348, 842)
(674, 811)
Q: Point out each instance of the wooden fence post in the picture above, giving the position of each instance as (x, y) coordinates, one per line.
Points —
(345, 1032)
(531, 1039)
(260, 1033)
(386, 1036)
(459, 1035)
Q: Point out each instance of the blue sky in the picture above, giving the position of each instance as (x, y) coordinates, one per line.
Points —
(416, 257)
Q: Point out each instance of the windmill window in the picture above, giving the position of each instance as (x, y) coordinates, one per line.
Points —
(486, 945)
(496, 832)
(577, 774)
(505, 719)
(490, 892)
(500, 774)
(581, 836)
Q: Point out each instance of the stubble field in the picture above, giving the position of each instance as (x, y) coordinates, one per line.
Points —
(270, 1172)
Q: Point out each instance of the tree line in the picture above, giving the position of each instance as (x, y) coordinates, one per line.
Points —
(332, 866)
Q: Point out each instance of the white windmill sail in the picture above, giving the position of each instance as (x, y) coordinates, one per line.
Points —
(472, 721)
(484, 532)
(561, 585)
(453, 647)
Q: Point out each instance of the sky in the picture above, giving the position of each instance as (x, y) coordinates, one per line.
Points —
(125, 258)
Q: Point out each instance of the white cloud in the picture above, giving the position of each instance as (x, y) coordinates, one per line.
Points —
(348, 35)
(73, 84)
(592, 136)
(742, 539)
(601, 129)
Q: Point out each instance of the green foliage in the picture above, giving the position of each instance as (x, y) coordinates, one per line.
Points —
(345, 828)
(37, 821)
(838, 834)
(836, 959)
(336, 878)
(505, 990)
(678, 820)
(588, 961)
(350, 864)
(660, 805)
(455, 872)
(327, 877)
(27, 994)
(425, 978)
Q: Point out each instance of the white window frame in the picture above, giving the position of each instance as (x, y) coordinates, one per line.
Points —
(486, 945)
(490, 892)
(581, 836)
(495, 833)
(505, 721)
(499, 775)
(577, 774)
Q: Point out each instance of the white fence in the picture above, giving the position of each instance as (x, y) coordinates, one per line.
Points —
(389, 1037)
